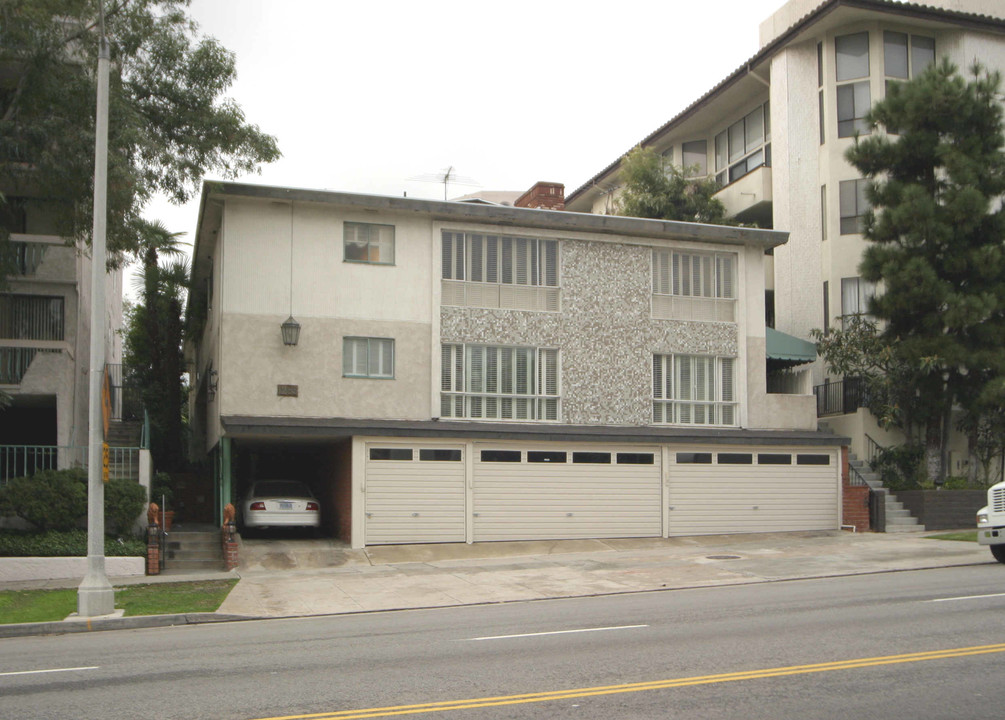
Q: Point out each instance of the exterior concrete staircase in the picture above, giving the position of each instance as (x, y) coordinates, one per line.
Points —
(193, 551)
(898, 518)
(123, 437)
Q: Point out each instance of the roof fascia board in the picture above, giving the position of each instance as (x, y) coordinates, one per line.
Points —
(558, 220)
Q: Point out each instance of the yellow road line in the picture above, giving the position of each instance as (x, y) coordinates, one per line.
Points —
(503, 700)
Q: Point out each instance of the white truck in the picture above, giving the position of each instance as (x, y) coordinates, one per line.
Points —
(991, 522)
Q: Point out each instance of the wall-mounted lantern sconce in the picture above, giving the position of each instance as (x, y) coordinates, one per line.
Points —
(291, 331)
(212, 382)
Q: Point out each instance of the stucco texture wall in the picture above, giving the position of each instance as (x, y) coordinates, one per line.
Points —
(604, 333)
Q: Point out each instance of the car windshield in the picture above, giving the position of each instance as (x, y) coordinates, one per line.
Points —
(277, 488)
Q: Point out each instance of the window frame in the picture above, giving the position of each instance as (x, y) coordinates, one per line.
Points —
(852, 197)
(483, 382)
(671, 407)
(733, 163)
(368, 248)
(347, 342)
(854, 89)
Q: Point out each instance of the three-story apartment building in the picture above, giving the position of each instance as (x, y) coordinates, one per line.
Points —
(774, 135)
(454, 372)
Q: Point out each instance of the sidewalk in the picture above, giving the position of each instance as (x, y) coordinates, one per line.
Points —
(320, 577)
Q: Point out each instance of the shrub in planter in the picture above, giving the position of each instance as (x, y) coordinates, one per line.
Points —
(54, 543)
(900, 467)
(162, 489)
(124, 501)
(49, 500)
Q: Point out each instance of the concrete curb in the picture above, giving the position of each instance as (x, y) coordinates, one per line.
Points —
(64, 627)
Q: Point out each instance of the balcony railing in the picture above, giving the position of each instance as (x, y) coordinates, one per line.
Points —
(27, 460)
(840, 398)
(125, 402)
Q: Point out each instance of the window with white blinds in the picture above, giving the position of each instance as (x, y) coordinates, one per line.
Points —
(694, 390)
(493, 382)
(498, 271)
(694, 286)
(368, 357)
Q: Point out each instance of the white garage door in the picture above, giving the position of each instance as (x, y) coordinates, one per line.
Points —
(561, 492)
(414, 494)
(737, 490)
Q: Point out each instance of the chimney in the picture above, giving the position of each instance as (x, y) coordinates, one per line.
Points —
(545, 195)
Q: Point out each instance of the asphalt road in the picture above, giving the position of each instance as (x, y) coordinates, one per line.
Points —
(920, 644)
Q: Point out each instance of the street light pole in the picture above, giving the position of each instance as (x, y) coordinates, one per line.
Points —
(95, 595)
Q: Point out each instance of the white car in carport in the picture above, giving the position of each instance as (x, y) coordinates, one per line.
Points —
(280, 503)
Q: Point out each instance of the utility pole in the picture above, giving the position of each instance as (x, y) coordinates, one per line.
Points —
(95, 595)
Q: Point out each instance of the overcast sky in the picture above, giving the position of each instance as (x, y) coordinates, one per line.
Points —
(366, 96)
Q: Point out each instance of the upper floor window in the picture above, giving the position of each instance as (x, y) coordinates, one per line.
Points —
(906, 56)
(499, 271)
(499, 382)
(31, 317)
(854, 205)
(855, 296)
(695, 158)
(368, 243)
(368, 357)
(667, 157)
(694, 286)
(744, 146)
(694, 390)
(853, 98)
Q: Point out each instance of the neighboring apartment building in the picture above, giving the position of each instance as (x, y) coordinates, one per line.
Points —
(45, 341)
(774, 133)
(461, 372)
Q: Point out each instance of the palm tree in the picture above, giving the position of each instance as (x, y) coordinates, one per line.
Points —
(153, 341)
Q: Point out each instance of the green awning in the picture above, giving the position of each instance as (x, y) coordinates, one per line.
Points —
(789, 349)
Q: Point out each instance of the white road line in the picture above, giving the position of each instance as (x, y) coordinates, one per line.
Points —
(967, 597)
(559, 632)
(53, 670)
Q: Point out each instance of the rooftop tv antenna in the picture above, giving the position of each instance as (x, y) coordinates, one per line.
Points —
(446, 176)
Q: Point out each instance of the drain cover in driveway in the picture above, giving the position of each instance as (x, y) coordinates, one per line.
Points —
(724, 557)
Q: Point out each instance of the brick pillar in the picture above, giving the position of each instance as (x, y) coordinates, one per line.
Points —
(856, 498)
(153, 550)
(230, 559)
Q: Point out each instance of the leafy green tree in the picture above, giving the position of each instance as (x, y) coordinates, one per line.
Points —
(652, 189)
(170, 122)
(935, 233)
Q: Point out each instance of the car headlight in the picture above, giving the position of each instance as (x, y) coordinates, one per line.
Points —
(982, 518)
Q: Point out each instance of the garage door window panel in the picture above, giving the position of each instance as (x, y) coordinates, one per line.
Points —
(399, 454)
(774, 459)
(499, 383)
(594, 458)
(692, 458)
(435, 455)
(546, 456)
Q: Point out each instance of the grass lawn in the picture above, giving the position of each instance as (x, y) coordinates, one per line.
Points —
(20, 606)
(965, 536)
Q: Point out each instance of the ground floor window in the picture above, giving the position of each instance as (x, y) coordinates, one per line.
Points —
(694, 390)
(499, 383)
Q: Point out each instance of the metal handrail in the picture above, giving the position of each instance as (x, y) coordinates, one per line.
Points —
(872, 450)
(855, 478)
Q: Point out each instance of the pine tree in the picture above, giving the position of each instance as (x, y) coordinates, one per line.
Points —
(935, 233)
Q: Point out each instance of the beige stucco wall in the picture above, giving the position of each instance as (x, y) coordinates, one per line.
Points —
(254, 361)
(258, 255)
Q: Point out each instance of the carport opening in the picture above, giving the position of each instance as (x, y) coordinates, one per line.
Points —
(324, 467)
